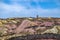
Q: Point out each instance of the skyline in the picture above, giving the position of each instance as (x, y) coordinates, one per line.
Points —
(29, 8)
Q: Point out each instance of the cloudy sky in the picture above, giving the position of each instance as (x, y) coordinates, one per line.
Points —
(27, 8)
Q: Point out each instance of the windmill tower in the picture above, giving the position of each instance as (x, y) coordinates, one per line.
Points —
(37, 16)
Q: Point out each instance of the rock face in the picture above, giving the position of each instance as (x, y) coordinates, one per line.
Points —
(11, 28)
(3, 31)
(53, 30)
(41, 28)
(31, 27)
(25, 24)
(47, 24)
(28, 26)
(30, 30)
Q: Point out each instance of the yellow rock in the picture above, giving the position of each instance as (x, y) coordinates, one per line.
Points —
(30, 18)
(53, 30)
(17, 20)
(4, 21)
(13, 21)
(39, 19)
(0, 23)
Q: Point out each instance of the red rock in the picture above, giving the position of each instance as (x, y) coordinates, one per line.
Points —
(47, 24)
(24, 24)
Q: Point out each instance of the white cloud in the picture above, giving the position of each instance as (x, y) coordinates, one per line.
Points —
(19, 9)
(11, 8)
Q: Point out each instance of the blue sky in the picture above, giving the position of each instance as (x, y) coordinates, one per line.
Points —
(27, 8)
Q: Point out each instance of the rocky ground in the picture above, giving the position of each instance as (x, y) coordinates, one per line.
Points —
(30, 29)
(38, 37)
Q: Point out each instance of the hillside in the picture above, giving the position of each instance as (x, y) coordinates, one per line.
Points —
(28, 26)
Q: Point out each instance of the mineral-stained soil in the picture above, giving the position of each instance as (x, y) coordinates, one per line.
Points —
(28, 27)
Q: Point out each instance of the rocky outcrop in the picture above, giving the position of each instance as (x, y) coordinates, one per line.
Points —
(25, 24)
(30, 26)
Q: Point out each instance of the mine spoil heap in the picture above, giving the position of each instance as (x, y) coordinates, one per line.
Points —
(16, 27)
